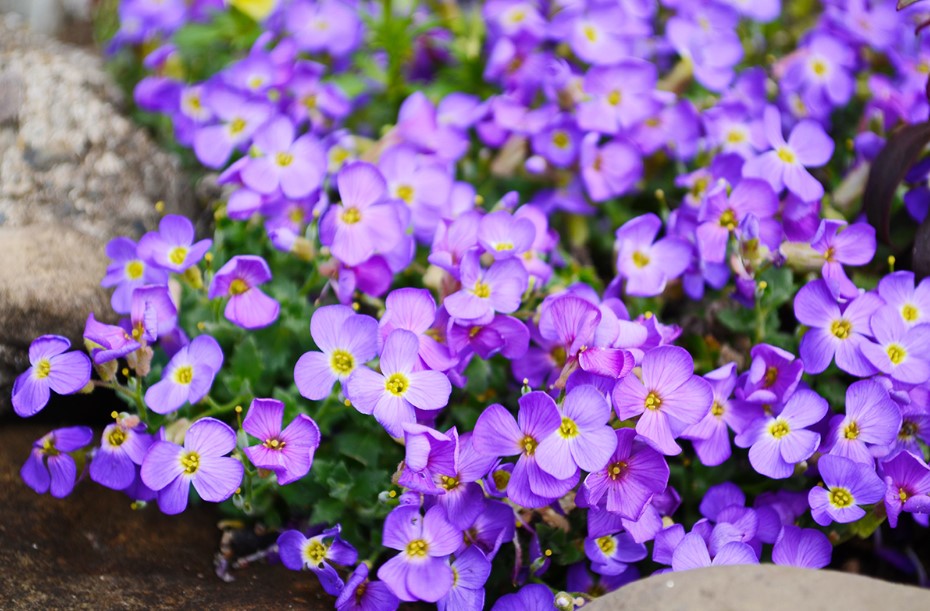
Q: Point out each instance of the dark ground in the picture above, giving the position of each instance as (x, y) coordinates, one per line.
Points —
(92, 551)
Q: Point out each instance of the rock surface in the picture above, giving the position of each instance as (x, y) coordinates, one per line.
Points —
(764, 587)
(74, 173)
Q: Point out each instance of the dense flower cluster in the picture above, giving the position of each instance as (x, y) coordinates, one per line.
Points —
(443, 264)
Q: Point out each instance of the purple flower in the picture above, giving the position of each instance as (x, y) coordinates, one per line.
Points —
(620, 96)
(842, 244)
(721, 215)
(773, 375)
(609, 170)
(498, 434)
(505, 236)
(187, 377)
(429, 459)
(239, 279)
(777, 443)
(238, 119)
(907, 484)
(107, 342)
(128, 272)
(612, 554)
(359, 594)
(332, 26)
(583, 440)
(633, 475)
(820, 74)
(471, 570)
(532, 597)
(692, 553)
(419, 571)
(901, 351)
(808, 146)
(484, 292)
(806, 548)
(392, 395)
(298, 552)
(460, 495)
(49, 466)
(912, 304)
(170, 469)
(123, 446)
(414, 310)
(364, 223)
(871, 423)
(848, 484)
(668, 398)
(421, 183)
(646, 264)
(152, 314)
(346, 340)
(295, 165)
(172, 247)
(52, 367)
(710, 435)
(834, 331)
(289, 453)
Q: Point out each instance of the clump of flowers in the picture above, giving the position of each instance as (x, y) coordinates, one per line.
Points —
(511, 304)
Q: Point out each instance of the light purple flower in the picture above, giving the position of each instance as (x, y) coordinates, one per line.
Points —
(239, 279)
(288, 452)
(612, 554)
(152, 314)
(842, 244)
(609, 170)
(648, 265)
(315, 553)
(621, 96)
(808, 146)
(128, 272)
(505, 236)
(632, 476)
(332, 26)
(531, 597)
(692, 553)
(170, 469)
(172, 247)
(668, 398)
(419, 571)
(430, 458)
(898, 291)
(907, 486)
(392, 395)
(722, 214)
(484, 292)
(359, 594)
(238, 118)
(471, 570)
(421, 182)
(414, 310)
(281, 160)
(123, 446)
(805, 548)
(710, 435)
(346, 341)
(777, 443)
(52, 367)
(834, 331)
(847, 485)
(901, 351)
(107, 342)
(871, 423)
(583, 440)
(187, 377)
(49, 467)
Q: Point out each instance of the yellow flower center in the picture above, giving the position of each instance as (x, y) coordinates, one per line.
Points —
(840, 498)
(350, 216)
(48, 447)
(902, 494)
(841, 328)
(786, 154)
(779, 429)
(190, 462)
(560, 139)
(569, 429)
(134, 270)
(43, 368)
(639, 259)
(237, 126)
(184, 374)
(309, 101)
(501, 479)
(614, 97)
(502, 246)
(819, 67)
(728, 220)
(177, 255)
(735, 136)
(405, 192)
(851, 431)
(397, 385)
(274, 444)
(342, 362)
(908, 430)
(449, 483)
(653, 400)
(482, 290)
(771, 375)
(238, 286)
(896, 353)
(528, 445)
(716, 409)
(616, 470)
(590, 32)
(315, 552)
(418, 548)
(910, 313)
(284, 159)
(116, 437)
(607, 544)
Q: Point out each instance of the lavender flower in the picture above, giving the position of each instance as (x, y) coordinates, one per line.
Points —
(805, 548)
(49, 467)
(288, 452)
(692, 553)
(633, 475)
(901, 351)
(172, 247)
(170, 469)
(52, 367)
(583, 440)
(848, 484)
(295, 165)
(912, 304)
(710, 435)
(871, 423)
(359, 594)
(239, 279)
(123, 446)
(128, 272)
(484, 292)
(646, 264)
(531, 597)
(298, 552)
(842, 244)
(907, 486)
(471, 570)
(187, 377)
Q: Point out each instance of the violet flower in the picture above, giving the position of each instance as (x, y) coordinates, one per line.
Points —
(668, 398)
(583, 440)
(609, 170)
(648, 265)
(288, 452)
(633, 475)
(359, 594)
(901, 351)
(50, 467)
(871, 423)
(282, 160)
(187, 377)
(907, 486)
(414, 310)
(471, 569)
(172, 247)
(692, 553)
(710, 435)
(847, 485)
(123, 446)
(430, 457)
(531, 597)
(239, 279)
(315, 553)
(170, 469)
(107, 342)
(898, 291)
(128, 272)
(346, 340)
(612, 554)
(484, 292)
(238, 118)
(722, 214)
(805, 548)
(842, 244)
(52, 367)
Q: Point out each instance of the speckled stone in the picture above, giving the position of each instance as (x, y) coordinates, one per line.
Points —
(764, 587)
(74, 173)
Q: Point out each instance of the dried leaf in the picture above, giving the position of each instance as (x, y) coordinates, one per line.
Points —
(903, 4)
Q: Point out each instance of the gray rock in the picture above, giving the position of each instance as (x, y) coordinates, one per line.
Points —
(74, 173)
(764, 587)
